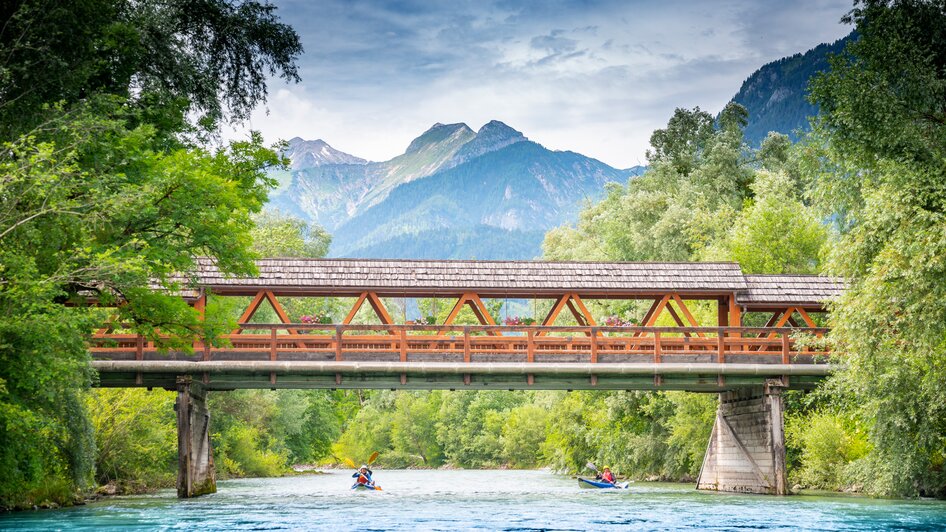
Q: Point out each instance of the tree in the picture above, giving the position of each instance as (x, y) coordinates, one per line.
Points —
(276, 234)
(108, 191)
(774, 233)
(414, 426)
(697, 178)
(136, 437)
(878, 160)
(523, 434)
(211, 55)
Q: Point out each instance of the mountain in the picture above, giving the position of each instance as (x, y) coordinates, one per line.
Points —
(453, 193)
(309, 153)
(775, 95)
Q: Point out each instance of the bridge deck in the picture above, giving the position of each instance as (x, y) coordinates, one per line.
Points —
(476, 357)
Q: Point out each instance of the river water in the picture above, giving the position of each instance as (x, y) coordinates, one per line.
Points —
(484, 500)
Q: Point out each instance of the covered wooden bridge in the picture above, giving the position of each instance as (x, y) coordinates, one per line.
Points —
(781, 349)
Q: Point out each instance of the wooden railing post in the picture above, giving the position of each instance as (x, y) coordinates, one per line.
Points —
(272, 354)
(338, 351)
(785, 348)
(657, 351)
(721, 346)
(139, 355)
(403, 341)
(530, 355)
(594, 353)
(658, 379)
(466, 352)
(720, 354)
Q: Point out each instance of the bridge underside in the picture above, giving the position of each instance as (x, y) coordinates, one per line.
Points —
(696, 377)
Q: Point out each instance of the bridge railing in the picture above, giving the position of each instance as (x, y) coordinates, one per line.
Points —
(477, 343)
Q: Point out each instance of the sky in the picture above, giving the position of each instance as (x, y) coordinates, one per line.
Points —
(594, 77)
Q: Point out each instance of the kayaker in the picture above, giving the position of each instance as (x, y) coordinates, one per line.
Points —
(606, 475)
(364, 476)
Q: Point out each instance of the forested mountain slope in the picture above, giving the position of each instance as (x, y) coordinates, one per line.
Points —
(776, 94)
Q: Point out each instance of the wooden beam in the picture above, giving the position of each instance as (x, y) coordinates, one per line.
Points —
(772, 321)
(455, 311)
(283, 317)
(589, 319)
(676, 318)
(478, 308)
(722, 314)
(811, 323)
(783, 320)
(250, 310)
(579, 319)
(804, 315)
(376, 305)
(379, 309)
(201, 305)
(735, 318)
(661, 305)
(355, 308)
(581, 313)
(686, 312)
(648, 314)
(735, 315)
(651, 317)
(555, 310)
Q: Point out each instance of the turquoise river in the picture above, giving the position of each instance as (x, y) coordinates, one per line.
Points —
(480, 500)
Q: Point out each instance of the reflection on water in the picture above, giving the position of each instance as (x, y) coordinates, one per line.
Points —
(485, 500)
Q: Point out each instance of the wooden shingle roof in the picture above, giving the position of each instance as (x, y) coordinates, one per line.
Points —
(488, 278)
(789, 289)
(427, 278)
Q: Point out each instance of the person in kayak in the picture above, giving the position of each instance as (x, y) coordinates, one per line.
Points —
(364, 476)
(605, 475)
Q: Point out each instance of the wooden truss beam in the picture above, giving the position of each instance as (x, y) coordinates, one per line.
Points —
(376, 305)
(664, 303)
(264, 295)
(572, 301)
(478, 308)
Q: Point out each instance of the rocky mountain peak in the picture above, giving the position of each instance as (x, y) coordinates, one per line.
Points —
(495, 129)
(438, 133)
(493, 136)
(311, 153)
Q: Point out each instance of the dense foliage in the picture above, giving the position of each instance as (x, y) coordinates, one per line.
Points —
(107, 188)
(879, 160)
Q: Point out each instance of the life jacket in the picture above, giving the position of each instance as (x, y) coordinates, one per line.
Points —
(608, 476)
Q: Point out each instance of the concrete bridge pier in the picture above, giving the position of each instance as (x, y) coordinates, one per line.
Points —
(746, 451)
(195, 461)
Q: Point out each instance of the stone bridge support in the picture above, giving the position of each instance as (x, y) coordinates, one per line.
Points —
(746, 451)
(195, 462)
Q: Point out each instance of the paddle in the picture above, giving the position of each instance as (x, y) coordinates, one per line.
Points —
(374, 456)
(592, 467)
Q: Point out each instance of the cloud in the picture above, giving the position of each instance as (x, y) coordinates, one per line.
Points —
(554, 43)
(593, 76)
